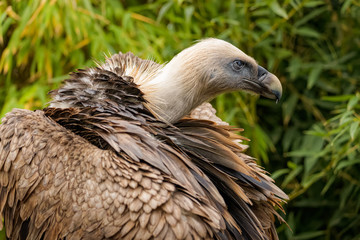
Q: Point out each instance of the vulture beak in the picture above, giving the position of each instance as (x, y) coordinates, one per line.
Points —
(269, 83)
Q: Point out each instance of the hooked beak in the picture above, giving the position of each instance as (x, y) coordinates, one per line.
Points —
(269, 83)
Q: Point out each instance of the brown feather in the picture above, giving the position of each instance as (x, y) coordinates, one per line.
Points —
(104, 167)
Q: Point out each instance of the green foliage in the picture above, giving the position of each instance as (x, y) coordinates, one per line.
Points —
(323, 174)
(309, 141)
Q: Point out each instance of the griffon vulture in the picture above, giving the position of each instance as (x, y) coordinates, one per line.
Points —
(117, 155)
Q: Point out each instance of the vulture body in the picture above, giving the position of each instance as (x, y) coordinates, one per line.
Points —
(116, 154)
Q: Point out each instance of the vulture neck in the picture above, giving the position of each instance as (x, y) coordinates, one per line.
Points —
(177, 89)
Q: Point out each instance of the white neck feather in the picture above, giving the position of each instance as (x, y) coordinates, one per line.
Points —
(176, 90)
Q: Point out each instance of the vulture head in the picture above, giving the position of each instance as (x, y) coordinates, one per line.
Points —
(202, 71)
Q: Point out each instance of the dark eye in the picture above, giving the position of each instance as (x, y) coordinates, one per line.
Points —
(238, 65)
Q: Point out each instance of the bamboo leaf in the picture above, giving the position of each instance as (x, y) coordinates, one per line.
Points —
(291, 176)
(164, 9)
(289, 108)
(275, 175)
(353, 101)
(307, 32)
(344, 164)
(313, 76)
(340, 98)
(277, 9)
(309, 235)
(353, 129)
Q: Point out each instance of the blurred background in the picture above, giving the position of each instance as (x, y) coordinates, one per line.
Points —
(309, 141)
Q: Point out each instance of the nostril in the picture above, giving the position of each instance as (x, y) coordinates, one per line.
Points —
(262, 72)
(262, 76)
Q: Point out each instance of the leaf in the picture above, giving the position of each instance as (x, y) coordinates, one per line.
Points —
(317, 130)
(346, 117)
(328, 184)
(289, 107)
(312, 14)
(290, 136)
(301, 153)
(188, 14)
(309, 235)
(279, 173)
(345, 6)
(294, 67)
(296, 171)
(163, 10)
(353, 128)
(314, 3)
(344, 164)
(353, 101)
(307, 32)
(311, 179)
(345, 195)
(340, 98)
(277, 9)
(313, 76)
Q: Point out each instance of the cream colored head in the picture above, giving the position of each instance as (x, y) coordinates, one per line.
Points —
(202, 71)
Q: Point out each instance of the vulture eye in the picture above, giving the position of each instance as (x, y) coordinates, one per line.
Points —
(238, 65)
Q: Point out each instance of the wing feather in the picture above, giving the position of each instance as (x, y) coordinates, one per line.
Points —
(71, 188)
(248, 192)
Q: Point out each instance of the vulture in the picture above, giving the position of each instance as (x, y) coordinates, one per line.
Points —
(131, 149)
